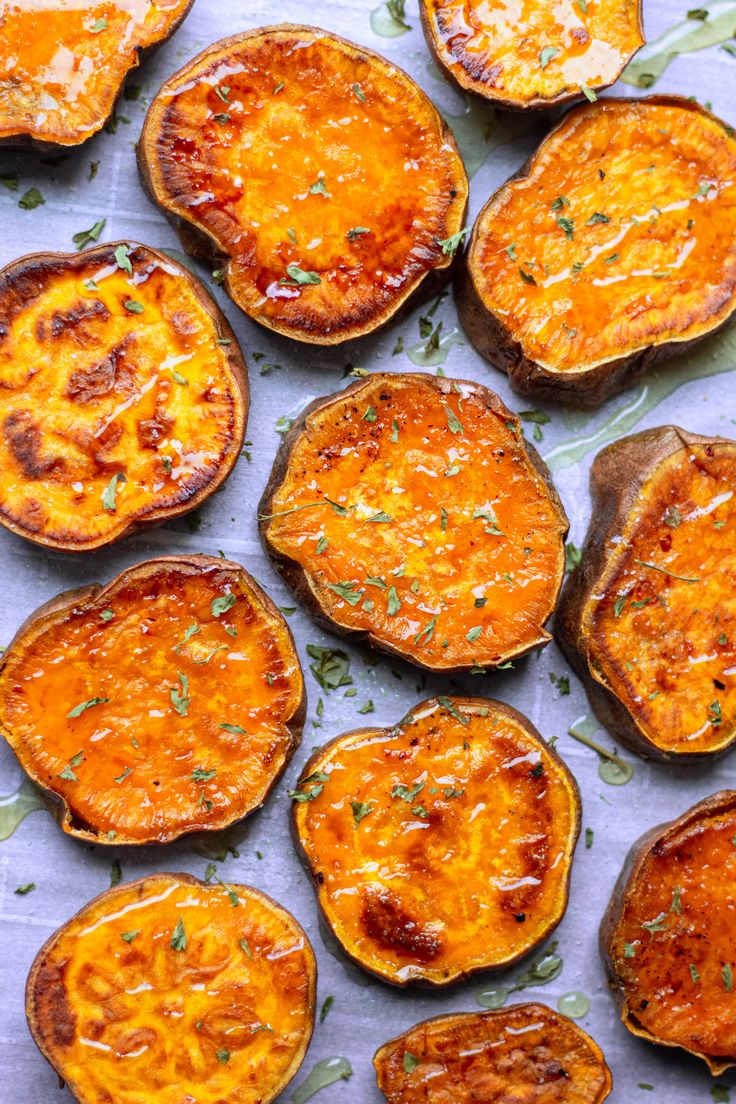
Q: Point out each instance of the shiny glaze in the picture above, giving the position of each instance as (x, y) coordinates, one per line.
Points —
(241, 169)
(452, 581)
(664, 646)
(682, 883)
(474, 878)
(139, 752)
(669, 193)
(150, 396)
(495, 47)
(129, 1021)
(59, 77)
(526, 1054)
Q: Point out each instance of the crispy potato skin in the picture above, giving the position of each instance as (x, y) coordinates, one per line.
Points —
(244, 1018)
(661, 497)
(64, 58)
(478, 48)
(152, 770)
(527, 1051)
(374, 229)
(445, 461)
(688, 865)
(647, 290)
(153, 394)
(448, 869)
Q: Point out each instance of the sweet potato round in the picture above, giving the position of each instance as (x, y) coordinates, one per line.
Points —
(648, 620)
(667, 936)
(541, 56)
(313, 172)
(169, 988)
(167, 702)
(408, 509)
(525, 1053)
(611, 250)
(64, 64)
(124, 394)
(420, 876)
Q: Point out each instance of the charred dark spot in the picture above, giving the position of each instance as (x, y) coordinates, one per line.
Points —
(24, 441)
(320, 878)
(520, 917)
(393, 928)
(71, 323)
(152, 430)
(718, 684)
(94, 380)
(553, 1071)
(537, 770)
(601, 174)
(54, 1014)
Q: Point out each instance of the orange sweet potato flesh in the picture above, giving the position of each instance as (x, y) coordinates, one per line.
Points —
(610, 251)
(535, 53)
(527, 1054)
(171, 989)
(167, 702)
(143, 388)
(64, 64)
(408, 509)
(649, 618)
(667, 937)
(316, 174)
(421, 877)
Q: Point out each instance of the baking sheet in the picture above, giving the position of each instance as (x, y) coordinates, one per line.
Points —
(365, 1012)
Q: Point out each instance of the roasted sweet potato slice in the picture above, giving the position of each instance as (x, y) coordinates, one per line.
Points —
(536, 54)
(649, 618)
(167, 702)
(420, 875)
(667, 937)
(526, 1053)
(409, 510)
(172, 989)
(123, 394)
(611, 250)
(64, 64)
(314, 173)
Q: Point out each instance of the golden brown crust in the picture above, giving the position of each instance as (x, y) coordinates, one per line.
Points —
(471, 550)
(672, 978)
(527, 1050)
(175, 710)
(104, 42)
(564, 290)
(143, 386)
(411, 867)
(631, 630)
(514, 63)
(330, 240)
(259, 1017)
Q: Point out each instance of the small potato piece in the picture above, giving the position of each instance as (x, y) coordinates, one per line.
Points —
(667, 937)
(64, 63)
(123, 394)
(527, 1054)
(409, 510)
(173, 990)
(611, 250)
(316, 174)
(167, 702)
(537, 54)
(648, 620)
(442, 846)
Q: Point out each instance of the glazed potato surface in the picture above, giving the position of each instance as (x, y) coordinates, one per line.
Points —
(167, 702)
(123, 394)
(410, 509)
(321, 176)
(63, 62)
(172, 989)
(442, 846)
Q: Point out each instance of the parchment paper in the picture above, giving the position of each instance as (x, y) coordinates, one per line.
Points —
(365, 1012)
